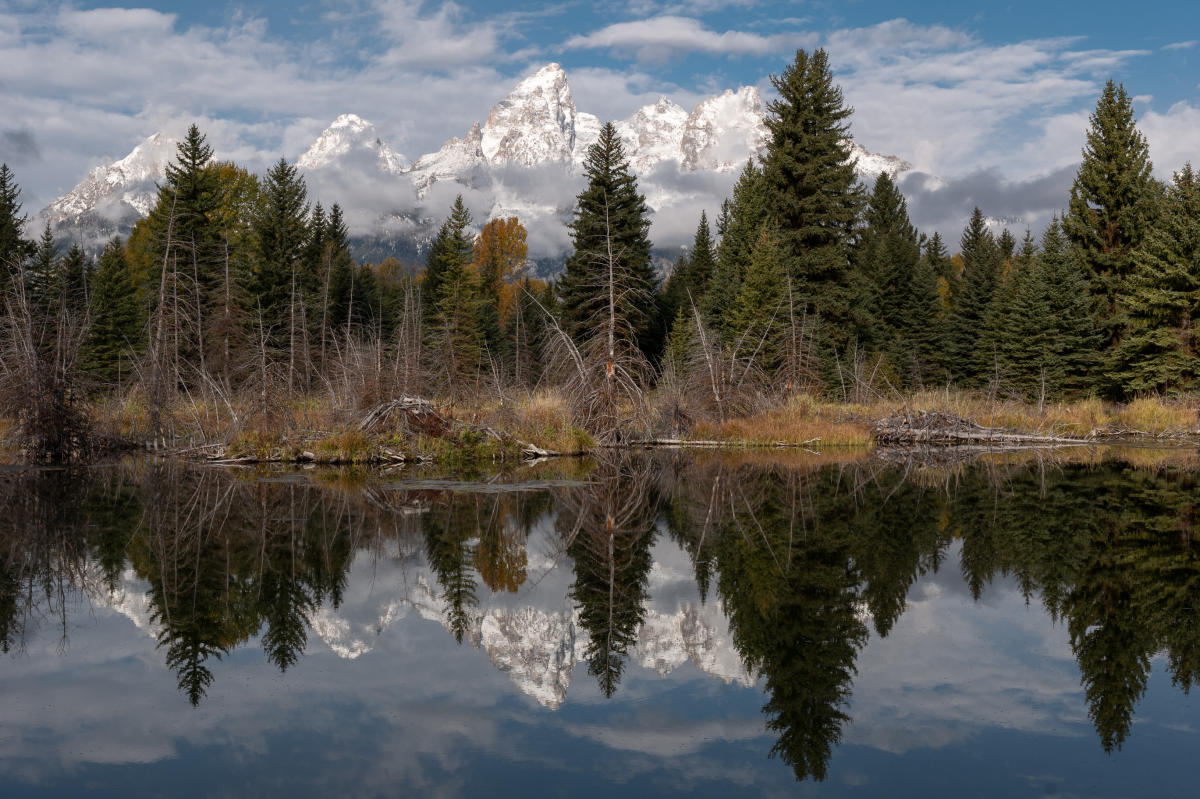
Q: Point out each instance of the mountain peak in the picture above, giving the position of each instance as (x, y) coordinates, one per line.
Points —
(534, 124)
(351, 133)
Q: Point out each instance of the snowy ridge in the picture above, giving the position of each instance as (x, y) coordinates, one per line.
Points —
(536, 128)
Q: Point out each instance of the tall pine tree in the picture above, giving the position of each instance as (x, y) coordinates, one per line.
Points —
(14, 249)
(981, 273)
(812, 190)
(689, 281)
(453, 246)
(611, 222)
(1113, 202)
(117, 330)
(742, 218)
(1160, 304)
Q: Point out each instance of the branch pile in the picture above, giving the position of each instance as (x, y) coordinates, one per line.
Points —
(932, 428)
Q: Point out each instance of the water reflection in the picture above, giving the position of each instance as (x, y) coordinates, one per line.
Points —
(799, 567)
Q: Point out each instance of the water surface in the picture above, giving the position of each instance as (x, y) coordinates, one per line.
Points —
(706, 626)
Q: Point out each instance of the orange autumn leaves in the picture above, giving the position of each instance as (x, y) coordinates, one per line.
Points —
(501, 251)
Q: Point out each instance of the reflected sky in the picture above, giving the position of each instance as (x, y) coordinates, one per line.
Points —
(964, 695)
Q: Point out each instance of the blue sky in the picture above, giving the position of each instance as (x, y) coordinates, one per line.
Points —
(995, 92)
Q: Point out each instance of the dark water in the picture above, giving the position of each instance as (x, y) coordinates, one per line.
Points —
(708, 627)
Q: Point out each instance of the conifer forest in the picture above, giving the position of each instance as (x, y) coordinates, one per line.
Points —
(235, 311)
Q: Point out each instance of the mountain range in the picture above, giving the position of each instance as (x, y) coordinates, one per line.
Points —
(524, 159)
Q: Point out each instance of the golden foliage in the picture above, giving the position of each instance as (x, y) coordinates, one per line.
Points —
(501, 251)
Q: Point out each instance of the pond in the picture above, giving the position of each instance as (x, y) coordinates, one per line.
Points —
(708, 625)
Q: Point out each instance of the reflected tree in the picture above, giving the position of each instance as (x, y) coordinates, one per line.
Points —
(609, 530)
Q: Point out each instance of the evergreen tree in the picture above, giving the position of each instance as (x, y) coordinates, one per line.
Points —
(455, 337)
(451, 248)
(758, 319)
(980, 278)
(181, 237)
(896, 303)
(742, 218)
(72, 281)
(926, 324)
(1002, 341)
(1161, 300)
(525, 330)
(280, 239)
(40, 276)
(14, 249)
(1113, 200)
(812, 191)
(680, 340)
(1067, 327)
(117, 330)
(611, 220)
(337, 279)
(689, 281)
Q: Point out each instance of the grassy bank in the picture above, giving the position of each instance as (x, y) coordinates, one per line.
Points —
(315, 429)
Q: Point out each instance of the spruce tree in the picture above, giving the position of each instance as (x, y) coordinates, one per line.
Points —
(611, 221)
(689, 281)
(453, 246)
(1113, 200)
(812, 190)
(1161, 300)
(888, 255)
(337, 280)
(758, 319)
(926, 327)
(998, 346)
(117, 330)
(940, 263)
(742, 218)
(980, 278)
(281, 232)
(455, 334)
(14, 249)
(40, 276)
(72, 281)
(181, 236)
(1070, 325)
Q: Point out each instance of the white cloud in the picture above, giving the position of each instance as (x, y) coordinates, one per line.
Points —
(657, 38)
(107, 24)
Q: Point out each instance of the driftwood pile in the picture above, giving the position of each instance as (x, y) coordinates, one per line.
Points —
(932, 428)
(418, 416)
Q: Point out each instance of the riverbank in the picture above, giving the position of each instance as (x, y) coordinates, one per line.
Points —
(409, 429)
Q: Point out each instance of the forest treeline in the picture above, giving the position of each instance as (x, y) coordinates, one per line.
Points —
(238, 292)
(808, 563)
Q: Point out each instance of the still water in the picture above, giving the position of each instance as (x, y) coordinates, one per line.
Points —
(708, 626)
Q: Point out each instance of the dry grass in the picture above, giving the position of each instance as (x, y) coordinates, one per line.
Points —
(801, 420)
(315, 423)
(1089, 417)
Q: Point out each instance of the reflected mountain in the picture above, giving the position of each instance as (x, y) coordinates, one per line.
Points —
(754, 572)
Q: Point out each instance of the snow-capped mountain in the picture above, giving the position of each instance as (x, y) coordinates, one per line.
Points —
(653, 134)
(350, 134)
(111, 198)
(524, 158)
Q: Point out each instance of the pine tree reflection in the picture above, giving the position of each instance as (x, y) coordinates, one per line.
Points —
(609, 529)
